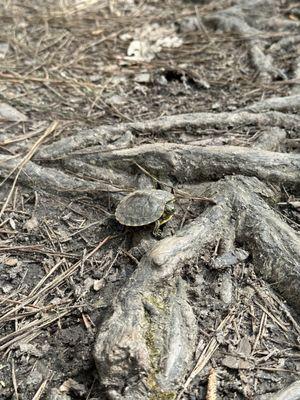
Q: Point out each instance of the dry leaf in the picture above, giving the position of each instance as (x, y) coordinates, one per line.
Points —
(71, 384)
(31, 224)
(12, 223)
(98, 284)
(11, 262)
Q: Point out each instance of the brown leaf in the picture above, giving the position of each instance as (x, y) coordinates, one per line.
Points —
(31, 224)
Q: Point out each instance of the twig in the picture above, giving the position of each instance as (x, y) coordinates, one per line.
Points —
(181, 193)
(212, 385)
(205, 356)
(68, 82)
(14, 379)
(42, 387)
(281, 324)
(20, 166)
(260, 331)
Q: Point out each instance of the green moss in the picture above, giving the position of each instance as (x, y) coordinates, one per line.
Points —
(159, 304)
(153, 350)
(156, 301)
(157, 393)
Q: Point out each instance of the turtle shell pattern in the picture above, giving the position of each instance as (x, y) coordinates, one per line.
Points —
(142, 207)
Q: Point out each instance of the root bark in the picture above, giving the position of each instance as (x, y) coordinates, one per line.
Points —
(139, 351)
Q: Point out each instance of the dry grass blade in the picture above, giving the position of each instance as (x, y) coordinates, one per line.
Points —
(212, 385)
(42, 388)
(43, 280)
(280, 323)
(28, 156)
(28, 329)
(205, 356)
(56, 281)
(260, 331)
(14, 379)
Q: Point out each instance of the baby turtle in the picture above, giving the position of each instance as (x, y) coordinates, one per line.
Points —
(143, 207)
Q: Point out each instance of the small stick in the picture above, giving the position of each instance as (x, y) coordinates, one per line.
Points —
(42, 387)
(206, 354)
(14, 379)
(20, 166)
(212, 385)
(179, 192)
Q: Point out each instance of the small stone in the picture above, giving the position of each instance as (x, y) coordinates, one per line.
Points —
(30, 349)
(12, 223)
(6, 288)
(55, 394)
(116, 100)
(71, 384)
(98, 284)
(143, 78)
(244, 347)
(34, 378)
(226, 289)
(4, 47)
(9, 113)
(216, 106)
(162, 80)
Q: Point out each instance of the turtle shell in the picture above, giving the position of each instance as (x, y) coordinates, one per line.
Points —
(142, 207)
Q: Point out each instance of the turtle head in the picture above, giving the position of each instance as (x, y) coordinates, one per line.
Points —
(169, 208)
(168, 212)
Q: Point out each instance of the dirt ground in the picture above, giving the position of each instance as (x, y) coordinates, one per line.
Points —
(69, 68)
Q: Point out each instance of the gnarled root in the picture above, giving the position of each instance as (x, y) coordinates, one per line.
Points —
(144, 348)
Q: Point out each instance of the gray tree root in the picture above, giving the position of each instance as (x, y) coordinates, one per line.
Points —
(190, 122)
(287, 104)
(296, 88)
(285, 43)
(163, 160)
(145, 346)
(51, 179)
(238, 19)
(191, 163)
(277, 24)
(270, 139)
(292, 392)
(106, 175)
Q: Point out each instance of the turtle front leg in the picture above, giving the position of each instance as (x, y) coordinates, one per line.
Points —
(157, 231)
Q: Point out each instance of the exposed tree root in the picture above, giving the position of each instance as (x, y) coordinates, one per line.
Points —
(191, 163)
(149, 340)
(190, 122)
(182, 162)
(144, 348)
(243, 19)
(270, 139)
(296, 88)
(287, 104)
(292, 392)
(51, 179)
